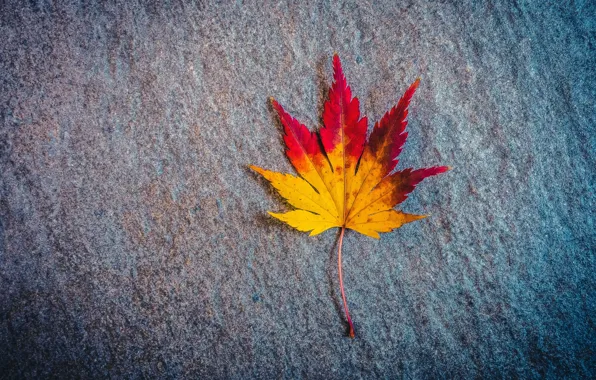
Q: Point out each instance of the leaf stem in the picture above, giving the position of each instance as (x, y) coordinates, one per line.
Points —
(341, 283)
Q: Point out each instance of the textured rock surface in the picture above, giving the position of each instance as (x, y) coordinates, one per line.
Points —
(134, 241)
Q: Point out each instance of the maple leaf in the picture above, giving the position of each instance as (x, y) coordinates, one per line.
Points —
(345, 180)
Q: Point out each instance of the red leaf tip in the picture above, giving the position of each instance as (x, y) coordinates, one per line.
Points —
(441, 169)
(274, 102)
(336, 61)
(413, 87)
(338, 73)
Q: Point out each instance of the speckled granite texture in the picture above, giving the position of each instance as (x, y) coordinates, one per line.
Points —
(134, 241)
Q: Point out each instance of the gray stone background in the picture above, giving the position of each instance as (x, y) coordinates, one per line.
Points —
(135, 243)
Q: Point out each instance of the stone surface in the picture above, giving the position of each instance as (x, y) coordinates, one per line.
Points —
(135, 243)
